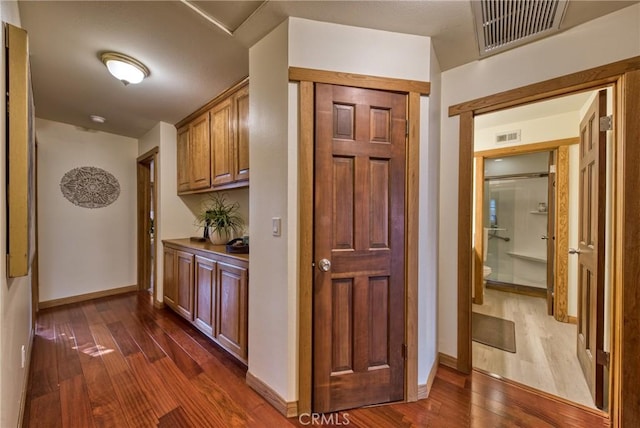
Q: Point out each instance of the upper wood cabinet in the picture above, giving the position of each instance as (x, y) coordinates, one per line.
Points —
(241, 141)
(222, 137)
(199, 153)
(182, 156)
(213, 144)
(194, 155)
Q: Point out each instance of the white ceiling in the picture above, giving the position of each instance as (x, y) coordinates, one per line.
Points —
(191, 60)
(556, 106)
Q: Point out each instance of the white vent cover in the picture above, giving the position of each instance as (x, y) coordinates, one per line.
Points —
(508, 137)
(505, 24)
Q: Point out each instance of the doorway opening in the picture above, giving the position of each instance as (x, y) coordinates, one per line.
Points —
(147, 221)
(532, 204)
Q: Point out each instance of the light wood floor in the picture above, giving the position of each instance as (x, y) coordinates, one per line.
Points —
(545, 356)
(120, 363)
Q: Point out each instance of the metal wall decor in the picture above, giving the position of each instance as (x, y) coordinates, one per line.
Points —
(90, 187)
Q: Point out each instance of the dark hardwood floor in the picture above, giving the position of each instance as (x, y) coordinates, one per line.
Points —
(118, 362)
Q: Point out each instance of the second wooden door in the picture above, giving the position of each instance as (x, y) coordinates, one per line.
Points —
(359, 248)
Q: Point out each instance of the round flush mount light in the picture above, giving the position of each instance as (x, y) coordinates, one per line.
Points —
(124, 68)
(97, 119)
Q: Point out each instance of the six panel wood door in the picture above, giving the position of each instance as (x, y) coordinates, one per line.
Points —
(592, 203)
(359, 302)
(222, 143)
(241, 146)
(231, 329)
(205, 298)
(199, 153)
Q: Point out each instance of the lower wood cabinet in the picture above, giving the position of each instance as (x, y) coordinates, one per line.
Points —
(178, 275)
(231, 322)
(205, 288)
(210, 289)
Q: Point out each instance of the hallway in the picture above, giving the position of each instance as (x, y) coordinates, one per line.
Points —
(118, 362)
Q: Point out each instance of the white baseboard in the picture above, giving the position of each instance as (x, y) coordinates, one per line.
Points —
(424, 389)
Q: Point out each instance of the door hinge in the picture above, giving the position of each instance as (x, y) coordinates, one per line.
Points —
(602, 358)
(404, 351)
(406, 129)
(606, 123)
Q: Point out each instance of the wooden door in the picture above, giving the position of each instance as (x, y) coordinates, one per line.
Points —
(205, 298)
(199, 153)
(241, 147)
(182, 155)
(222, 143)
(591, 255)
(359, 301)
(231, 330)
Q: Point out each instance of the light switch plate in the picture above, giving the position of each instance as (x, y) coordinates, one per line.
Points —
(276, 224)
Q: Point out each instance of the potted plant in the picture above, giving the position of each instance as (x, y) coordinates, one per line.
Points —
(220, 219)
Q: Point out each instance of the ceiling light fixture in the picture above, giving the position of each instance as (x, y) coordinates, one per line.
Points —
(97, 119)
(124, 68)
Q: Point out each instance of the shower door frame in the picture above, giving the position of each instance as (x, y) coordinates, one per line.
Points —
(560, 215)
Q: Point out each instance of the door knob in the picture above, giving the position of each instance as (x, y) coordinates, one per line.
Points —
(573, 251)
(324, 265)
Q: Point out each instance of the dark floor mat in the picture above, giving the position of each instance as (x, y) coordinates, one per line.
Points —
(494, 332)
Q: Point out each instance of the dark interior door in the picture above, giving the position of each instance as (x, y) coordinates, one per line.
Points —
(359, 248)
(590, 252)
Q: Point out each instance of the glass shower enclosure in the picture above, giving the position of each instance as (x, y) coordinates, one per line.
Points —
(515, 220)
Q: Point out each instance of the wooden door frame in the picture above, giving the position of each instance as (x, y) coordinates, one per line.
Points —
(142, 163)
(561, 276)
(306, 79)
(625, 76)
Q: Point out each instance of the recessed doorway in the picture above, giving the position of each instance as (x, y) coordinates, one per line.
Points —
(147, 221)
(528, 196)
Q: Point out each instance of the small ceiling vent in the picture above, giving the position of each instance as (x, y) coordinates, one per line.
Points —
(508, 137)
(505, 24)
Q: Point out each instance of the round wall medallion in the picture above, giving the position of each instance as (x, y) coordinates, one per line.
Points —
(90, 187)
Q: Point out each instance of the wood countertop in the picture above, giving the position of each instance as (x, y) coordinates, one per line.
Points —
(206, 247)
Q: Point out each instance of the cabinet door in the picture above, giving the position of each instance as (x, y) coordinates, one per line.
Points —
(205, 280)
(182, 155)
(199, 153)
(184, 279)
(231, 321)
(222, 143)
(241, 141)
(170, 287)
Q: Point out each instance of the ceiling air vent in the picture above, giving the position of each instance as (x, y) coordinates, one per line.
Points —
(505, 24)
(508, 137)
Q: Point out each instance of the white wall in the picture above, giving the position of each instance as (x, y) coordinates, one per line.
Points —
(273, 300)
(15, 293)
(428, 224)
(99, 244)
(537, 130)
(608, 39)
(271, 316)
